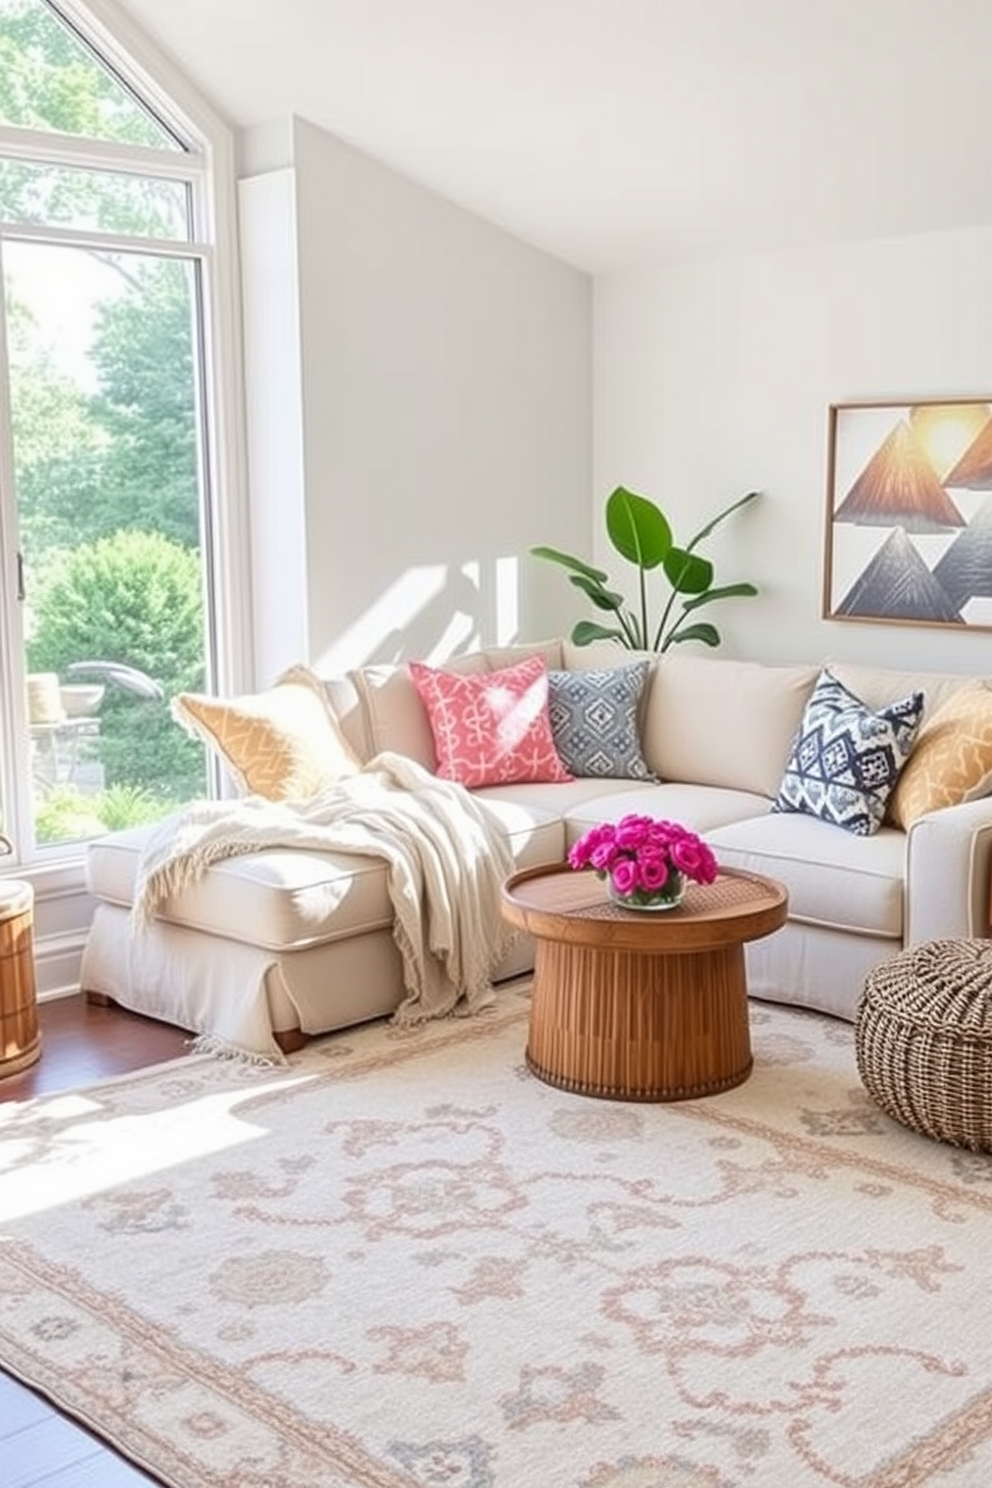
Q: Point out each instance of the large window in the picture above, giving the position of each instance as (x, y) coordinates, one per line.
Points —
(109, 465)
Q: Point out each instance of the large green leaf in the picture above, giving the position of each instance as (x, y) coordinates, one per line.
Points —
(727, 591)
(687, 573)
(703, 631)
(637, 529)
(722, 516)
(603, 599)
(584, 632)
(554, 555)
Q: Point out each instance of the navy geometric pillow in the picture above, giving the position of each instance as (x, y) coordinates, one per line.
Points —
(594, 721)
(846, 757)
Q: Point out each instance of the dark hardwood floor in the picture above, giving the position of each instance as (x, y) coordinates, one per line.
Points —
(80, 1046)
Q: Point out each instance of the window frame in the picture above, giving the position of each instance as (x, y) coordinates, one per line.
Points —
(206, 163)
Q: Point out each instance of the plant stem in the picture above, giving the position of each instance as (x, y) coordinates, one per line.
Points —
(657, 646)
(629, 630)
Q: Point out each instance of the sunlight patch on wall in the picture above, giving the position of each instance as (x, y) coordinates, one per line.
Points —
(432, 612)
(507, 600)
(379, 630)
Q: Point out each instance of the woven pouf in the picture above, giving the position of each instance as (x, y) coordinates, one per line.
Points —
(923, 1039)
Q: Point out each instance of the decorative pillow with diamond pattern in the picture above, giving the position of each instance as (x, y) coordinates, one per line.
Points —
(594, 721)
(846, 757)
(491, 728)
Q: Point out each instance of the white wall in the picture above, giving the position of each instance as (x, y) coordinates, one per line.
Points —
(715, 377)
(443, 423)
(274, 416)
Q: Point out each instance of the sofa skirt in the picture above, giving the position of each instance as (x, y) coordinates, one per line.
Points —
(239, 995)
(814, 966)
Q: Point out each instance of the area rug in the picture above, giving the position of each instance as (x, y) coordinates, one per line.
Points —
(402, 1261)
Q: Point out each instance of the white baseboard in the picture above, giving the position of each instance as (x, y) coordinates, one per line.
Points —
(56, 965)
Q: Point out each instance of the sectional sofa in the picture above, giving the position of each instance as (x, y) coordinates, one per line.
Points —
(305, 938)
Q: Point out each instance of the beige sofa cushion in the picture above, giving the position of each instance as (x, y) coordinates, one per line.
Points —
(702, 808)
(879, 686)
(346, 705)
(601, 656)
(498, 657)
(286, 899)
(834, 878)
(727, 723)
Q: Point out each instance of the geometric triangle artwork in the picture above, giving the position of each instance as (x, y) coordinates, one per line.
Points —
(899, 486)
(897, 585)
(965, 570)
(946, 430)
(917, 474)
(974, 469)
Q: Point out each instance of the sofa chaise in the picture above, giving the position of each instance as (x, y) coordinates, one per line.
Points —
(307, 937)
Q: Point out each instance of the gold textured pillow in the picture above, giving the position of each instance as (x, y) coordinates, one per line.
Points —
(951, 761)
(282, 744)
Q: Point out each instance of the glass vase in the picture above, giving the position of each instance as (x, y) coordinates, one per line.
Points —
(669, 896)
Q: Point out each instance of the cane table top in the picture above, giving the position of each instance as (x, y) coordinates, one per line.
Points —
(557, 903)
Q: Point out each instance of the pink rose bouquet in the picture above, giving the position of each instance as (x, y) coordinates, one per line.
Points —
(644, 859)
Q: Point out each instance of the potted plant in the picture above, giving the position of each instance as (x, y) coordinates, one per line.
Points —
(641, 533)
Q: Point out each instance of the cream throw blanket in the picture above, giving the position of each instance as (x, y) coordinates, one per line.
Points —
(446, 855)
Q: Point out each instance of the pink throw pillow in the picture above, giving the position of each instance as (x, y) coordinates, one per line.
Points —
(491, 728)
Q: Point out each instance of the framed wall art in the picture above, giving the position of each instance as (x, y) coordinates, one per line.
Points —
(909, 513)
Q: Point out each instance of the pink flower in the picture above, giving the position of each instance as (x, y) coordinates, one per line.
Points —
(632, 832)
(654, 870)
(640, 853)
(693, 858)
(597, 839)
(625, 875)
(602, 856)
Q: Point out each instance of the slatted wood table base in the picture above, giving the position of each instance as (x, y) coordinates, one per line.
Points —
(634, 1006)
(20, 1042)
(639, 1027)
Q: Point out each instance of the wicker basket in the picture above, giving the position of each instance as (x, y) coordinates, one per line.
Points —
(923, 1039)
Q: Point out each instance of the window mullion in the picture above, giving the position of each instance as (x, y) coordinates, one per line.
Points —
(14, 786)
(70, 150)
(104, 242)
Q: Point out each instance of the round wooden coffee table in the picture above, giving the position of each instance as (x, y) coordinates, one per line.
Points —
(636, 1006)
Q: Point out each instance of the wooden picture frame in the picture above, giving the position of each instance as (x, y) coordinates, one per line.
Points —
(909, 513)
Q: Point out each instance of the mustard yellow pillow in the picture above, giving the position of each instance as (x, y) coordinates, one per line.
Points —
(951, 761)
(282, 744)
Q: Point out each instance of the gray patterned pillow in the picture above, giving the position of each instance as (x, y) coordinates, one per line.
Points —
(595, 724)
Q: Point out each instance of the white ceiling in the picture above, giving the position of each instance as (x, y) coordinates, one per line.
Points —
(618, 132)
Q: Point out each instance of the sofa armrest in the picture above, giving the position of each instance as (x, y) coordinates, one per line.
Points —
(948, 873)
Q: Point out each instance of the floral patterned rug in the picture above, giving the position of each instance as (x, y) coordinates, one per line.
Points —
(404, 1262)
